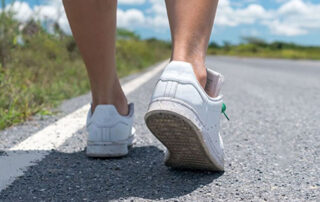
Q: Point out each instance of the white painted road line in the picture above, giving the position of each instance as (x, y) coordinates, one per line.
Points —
(38, 145)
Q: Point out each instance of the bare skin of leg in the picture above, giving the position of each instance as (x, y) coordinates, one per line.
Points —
(93, 25)
(191, 24)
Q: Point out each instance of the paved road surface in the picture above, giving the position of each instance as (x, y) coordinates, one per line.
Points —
(272, 146)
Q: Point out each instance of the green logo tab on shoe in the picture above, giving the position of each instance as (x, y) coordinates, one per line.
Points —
(224, 108)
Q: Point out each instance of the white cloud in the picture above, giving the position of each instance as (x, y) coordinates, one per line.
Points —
(47, 12)
(21, 10)
(157, 7)
(278, 28)
(294, 17)
(131, 2)
(157, 17)
(50, 13)
(229, 16)
(130, 18)
(293, 7)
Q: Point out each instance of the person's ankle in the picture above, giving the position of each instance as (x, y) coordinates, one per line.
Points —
(120, 104)
(201, 73)
(116, 98)
(199, 69)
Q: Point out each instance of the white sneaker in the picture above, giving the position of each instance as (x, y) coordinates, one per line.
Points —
(109, 133)
(186, 120)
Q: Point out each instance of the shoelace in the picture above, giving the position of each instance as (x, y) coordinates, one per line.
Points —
(223, 110)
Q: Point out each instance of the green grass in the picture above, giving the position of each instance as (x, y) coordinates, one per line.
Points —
(47, 69)
(254, 47)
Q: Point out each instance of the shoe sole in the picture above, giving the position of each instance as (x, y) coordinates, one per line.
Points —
(108, 149)
(182, 138)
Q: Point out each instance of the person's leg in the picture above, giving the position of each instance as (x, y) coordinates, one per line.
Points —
(181, 117)
(93, 25)
(191, 24)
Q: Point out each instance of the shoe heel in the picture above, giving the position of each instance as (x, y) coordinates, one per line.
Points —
(106, 150)
(181, 135)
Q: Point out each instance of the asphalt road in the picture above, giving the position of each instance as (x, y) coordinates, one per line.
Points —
(272, 146)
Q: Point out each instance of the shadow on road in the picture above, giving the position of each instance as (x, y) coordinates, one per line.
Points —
(72, 175)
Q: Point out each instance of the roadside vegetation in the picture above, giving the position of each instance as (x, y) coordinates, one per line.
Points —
(38, 70)
(255, 47)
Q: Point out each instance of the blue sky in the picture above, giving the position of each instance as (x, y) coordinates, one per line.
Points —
(295, 21)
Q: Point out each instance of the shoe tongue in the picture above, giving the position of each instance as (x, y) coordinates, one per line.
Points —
(214, 83)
